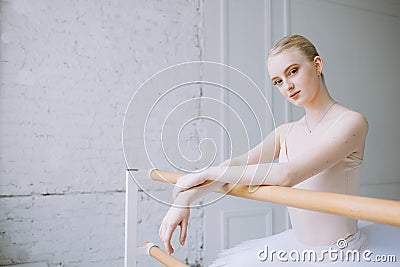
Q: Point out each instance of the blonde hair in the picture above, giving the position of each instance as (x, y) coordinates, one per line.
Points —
(298, 42)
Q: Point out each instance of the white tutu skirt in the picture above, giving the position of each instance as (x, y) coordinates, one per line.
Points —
(372, 245)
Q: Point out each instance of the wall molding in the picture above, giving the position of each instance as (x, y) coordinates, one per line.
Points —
(389, 8)
(287, 31)
(228, 216)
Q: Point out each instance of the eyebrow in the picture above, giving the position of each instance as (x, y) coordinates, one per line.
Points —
(288, 67)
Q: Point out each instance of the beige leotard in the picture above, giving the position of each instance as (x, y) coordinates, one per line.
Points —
(317, 228)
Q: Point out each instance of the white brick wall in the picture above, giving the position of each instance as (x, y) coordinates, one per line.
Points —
(68, 69)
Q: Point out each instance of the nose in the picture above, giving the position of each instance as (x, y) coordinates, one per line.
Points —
(289, 85)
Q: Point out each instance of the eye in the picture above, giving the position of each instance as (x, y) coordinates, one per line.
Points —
(277, 82)
(292, 71)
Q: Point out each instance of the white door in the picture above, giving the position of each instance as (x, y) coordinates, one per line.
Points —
(359, 40)
(236, 34)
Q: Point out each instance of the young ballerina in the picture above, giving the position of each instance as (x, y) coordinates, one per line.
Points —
(322, 151)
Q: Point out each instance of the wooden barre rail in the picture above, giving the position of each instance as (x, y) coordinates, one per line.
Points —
(357, 207)
(163, 257)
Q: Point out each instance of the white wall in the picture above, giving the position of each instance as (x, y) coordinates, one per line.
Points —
(359, 41)
(68, 70)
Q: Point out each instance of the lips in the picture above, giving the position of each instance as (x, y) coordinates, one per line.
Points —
(294, 94)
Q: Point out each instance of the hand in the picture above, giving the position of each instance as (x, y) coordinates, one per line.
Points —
(188, 181)
(174, 217)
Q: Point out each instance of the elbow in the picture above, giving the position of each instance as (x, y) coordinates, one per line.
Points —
(283, 175)
(288, 175)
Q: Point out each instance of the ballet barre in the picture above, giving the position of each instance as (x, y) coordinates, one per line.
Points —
(162, 256)
(358, 207)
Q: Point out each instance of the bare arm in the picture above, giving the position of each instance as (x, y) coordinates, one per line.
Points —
(340, 142)
(178, 214)
(264, 152)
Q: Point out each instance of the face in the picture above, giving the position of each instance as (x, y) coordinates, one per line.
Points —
(296, 77)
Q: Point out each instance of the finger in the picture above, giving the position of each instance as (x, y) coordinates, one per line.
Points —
(167, 240)
(161, 230)
(162, 235)
(168, 248)
(182, 236)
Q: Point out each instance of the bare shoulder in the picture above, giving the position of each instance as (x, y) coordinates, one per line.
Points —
(354, 122)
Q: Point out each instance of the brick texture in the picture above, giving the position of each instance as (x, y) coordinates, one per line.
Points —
(68, 70)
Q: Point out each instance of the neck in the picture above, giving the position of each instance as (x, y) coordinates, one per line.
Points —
(318, 105)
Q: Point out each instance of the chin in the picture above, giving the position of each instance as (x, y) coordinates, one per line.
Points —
(298, 103)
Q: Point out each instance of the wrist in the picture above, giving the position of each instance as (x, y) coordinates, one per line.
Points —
(183, 199)
(208, 173)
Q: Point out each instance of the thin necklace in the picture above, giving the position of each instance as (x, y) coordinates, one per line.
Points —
(326, 112)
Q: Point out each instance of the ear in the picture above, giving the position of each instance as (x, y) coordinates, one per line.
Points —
(319, 64)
